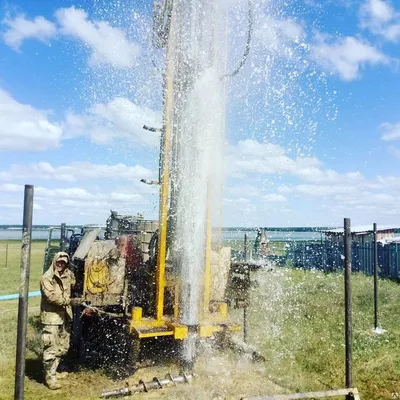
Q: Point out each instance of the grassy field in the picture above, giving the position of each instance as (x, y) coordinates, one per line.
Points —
(298, 324)
(10, 265)
(296, 321)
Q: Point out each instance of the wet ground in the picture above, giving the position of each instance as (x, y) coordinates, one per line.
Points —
(220, 376)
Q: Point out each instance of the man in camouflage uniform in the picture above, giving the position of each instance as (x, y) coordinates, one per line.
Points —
(56, 316)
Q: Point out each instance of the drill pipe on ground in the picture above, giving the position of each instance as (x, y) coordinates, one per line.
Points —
(146, 386)
(237, 344)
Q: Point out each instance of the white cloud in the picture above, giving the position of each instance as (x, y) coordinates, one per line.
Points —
(237, 200)
(25, 128)
(273, 33)
(291, 30)
(346, 56)
(338, 3)
(389, 182)
(106, 43)
(250, 200)
(64, 193)
(395, 151)
(277, 36)
(380, 17)
(75, 205)
(378, 11)
(120, 118)
(242, 189)
(307, 183)
(77, 171)
(20, 28)
(251, 156)
(390, 131)
(105, 187)
(319, 190)
(285, 189)
(78, 197)
(11, 187)
(275, 198)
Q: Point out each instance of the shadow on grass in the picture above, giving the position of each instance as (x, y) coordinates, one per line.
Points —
(34, 342)
(33, 369)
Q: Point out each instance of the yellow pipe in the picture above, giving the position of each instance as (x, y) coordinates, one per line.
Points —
(207, 274)
(164, 188)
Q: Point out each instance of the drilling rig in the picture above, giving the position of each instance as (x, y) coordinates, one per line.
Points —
(167, 279)
(192, 34)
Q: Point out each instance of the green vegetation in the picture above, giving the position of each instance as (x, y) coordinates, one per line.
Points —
(9, 275)
(296, 320)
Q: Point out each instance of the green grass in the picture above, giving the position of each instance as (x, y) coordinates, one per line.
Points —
(296, 320)
(9, 274)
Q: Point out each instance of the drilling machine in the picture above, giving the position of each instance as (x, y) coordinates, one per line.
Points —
(187, 267)
(154, 280)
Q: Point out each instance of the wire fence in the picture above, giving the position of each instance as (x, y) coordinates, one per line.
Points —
(324, 256)
(329, 257)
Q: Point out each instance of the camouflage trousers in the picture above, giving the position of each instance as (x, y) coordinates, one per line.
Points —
(55, 340)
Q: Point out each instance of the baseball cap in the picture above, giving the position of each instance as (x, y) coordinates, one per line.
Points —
(63, 257)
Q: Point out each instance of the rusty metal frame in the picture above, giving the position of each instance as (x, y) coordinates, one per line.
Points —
(349, 393)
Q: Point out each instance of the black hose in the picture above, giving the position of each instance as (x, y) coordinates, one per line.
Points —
(153, 245)
(248, 42)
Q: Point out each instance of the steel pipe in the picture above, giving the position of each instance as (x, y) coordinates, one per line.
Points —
(353, 393)
(63, 237)
(23, 293)
(245, 323)
(239, 345)
(375, 276)
(347, 301)
(246, 248)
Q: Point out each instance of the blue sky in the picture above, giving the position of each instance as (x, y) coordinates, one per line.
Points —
(313, 122)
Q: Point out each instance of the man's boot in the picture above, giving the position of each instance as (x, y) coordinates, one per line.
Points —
(50, 380)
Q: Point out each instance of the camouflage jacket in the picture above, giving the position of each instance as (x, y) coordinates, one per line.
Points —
(55, 308)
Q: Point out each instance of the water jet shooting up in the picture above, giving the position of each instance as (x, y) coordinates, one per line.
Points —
(166, 279)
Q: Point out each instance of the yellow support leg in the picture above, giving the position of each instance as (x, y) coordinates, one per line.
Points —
(164, 190)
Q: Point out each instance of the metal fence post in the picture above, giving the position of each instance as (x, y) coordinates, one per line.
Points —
(245, 320)
(6, 262)
(245, 323)
(348, 306)
(23, 293)
(63, 239)
(246, 250)
(375, 277)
